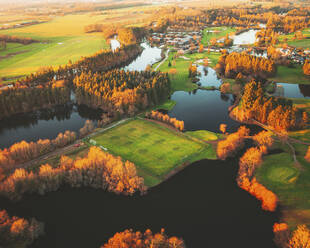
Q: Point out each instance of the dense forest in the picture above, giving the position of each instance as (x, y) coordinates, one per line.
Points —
(130, 239)
(120, 92)
(231, 64)
(104, 60)
(24, 99)
(15, 230)
(278, 113)
(97, 169)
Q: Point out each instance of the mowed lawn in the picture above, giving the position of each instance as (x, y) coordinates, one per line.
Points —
(291, 75)
(289, 182)
(216, 32)
(155, 149)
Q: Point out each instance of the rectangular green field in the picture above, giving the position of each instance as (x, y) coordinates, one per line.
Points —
(155, 149)
(215, 32)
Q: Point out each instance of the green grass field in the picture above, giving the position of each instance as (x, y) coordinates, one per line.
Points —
(205, 135)
(291, 75)
(62, 39)
(304, 43)
(289, 182)
(155, 149)
(181, 81)
(222, 32)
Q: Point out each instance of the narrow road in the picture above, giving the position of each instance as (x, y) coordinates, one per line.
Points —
(166, 57)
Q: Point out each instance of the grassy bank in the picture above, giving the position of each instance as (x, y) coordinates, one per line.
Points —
(291, 75)
(156, 150)
(180, 81)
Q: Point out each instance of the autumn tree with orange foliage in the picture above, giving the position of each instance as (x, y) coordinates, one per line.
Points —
(25, 151)
(223, 128)
(281, 234)
(131, 239)
(233, 142)
(166, 119)
(15, 230)
(230, 64)
(307, 156)
(278, 113)
(122, 93)
(300, 238)
(268, 198)
(306, 68)
(98, 169)
(263, 138)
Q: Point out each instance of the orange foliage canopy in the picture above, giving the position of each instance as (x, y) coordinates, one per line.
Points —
(131, 239)
(300, 238)
(233, 141)
(281, 234)
(166, 119)
(307, 156)
(267, 197)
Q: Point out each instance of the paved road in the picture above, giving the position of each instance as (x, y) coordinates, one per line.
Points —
(166, 57)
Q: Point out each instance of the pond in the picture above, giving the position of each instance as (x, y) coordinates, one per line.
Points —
(149, 56)
(245, 38)
(45, 124)
(202, 204)
(204, 109)
(292, 90)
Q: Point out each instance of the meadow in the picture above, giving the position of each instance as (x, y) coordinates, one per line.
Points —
(62, 39)
(155, 149)
(219, 33)
(303, 43)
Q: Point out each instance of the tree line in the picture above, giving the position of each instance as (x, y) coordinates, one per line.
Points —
(231, 64)
(16, 39)
(23, 151)
(130, 239)
(103, 60)
(97, 169)
(25, 99)
(306, 68)
(15, 230)
(248, 163)
(126, 35)
(120, 92)
(278, 113)
(155, 115)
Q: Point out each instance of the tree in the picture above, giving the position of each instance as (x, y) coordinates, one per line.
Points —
(223, 128)
(173, 72)
(306, 68)
(300, 238)
(307, 156)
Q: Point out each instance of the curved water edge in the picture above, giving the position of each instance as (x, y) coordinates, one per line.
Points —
(202, 204)
(36, 125)
(292, 90)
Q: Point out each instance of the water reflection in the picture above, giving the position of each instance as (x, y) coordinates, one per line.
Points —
(292, 90)
(45, 124)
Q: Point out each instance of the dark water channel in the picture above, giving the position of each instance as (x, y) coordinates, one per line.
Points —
(202, 204)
